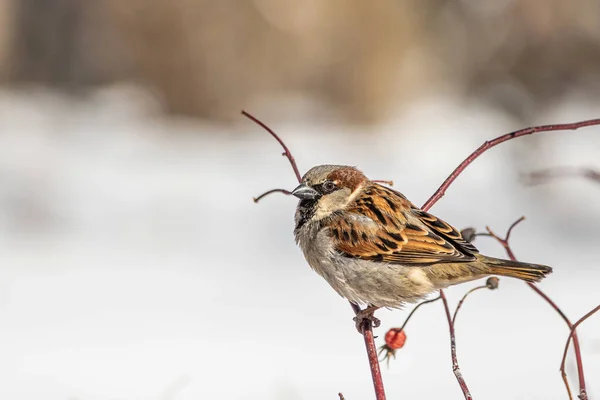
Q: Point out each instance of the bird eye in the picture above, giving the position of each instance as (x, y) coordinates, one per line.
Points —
(328, 186)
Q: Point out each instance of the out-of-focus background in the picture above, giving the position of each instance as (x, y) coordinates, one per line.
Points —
(134, 264)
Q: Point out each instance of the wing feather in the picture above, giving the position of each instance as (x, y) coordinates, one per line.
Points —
(382, 225)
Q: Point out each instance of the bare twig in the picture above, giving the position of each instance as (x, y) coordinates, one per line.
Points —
(455, 367)
(511, 227)
(268, 192)
(571, 334)
(463, 300)
(286, 151)
(415, 309)
(548, 174)
(511, 255)
(439, 193)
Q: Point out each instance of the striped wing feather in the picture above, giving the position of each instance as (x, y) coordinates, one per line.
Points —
(382, 225)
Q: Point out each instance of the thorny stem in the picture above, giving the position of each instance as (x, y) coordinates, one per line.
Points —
(582, 389)
(286, 151)
(463, 300)
(439, 193)
(455, 367)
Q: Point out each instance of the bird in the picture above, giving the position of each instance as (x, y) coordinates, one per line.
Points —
(375, 248)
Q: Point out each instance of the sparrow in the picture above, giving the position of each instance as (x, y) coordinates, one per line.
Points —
(375, 248)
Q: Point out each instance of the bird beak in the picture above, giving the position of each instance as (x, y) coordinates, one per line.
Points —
(304, 192)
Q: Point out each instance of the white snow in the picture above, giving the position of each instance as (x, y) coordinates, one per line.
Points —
(134, 264)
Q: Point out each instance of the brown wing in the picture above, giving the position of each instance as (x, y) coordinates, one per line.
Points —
(382, 225)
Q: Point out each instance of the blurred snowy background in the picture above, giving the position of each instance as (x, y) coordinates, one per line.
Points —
(134, 264)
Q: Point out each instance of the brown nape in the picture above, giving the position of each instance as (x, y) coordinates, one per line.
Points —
(348, 177)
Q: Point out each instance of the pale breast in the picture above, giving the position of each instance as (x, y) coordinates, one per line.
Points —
(361, 281)
(318, 250)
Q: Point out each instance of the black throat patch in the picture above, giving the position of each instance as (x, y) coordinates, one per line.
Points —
(306, 209)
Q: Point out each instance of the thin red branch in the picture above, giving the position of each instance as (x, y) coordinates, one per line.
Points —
(372, 355)
(415, 309)
(511, 227)
(576, 346)
(460, 303)
(582, 389)
(500, 139)
(455, 367)
(571, 334)
(286, 151)
(439, 193)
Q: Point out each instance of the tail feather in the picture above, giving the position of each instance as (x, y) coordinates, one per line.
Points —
(516, 269)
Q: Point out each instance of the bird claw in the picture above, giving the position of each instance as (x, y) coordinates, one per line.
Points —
(364, 316)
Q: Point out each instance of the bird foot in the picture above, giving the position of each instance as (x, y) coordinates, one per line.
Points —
(366, 315)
